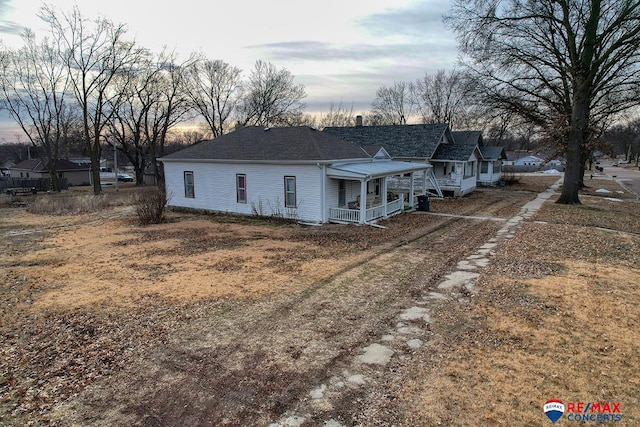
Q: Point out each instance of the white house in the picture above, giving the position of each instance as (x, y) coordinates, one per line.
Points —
(491, 158)
(533, 161)
(456, 167)
(413, 143)
(291, 172)
(458, 164)
(490, 172)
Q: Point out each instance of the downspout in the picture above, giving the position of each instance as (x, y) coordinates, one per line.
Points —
(323, 202)
(411, 190)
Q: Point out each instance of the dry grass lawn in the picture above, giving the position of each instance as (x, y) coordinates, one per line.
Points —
(98, 311)
(554, 316)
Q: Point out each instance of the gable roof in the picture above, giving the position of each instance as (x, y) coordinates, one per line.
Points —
(467, 137)
(400, 141)
(62, 165)
(493, 153)
(255, 143)
(455, 152)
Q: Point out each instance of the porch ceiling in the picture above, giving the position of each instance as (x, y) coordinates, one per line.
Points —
(370, 170)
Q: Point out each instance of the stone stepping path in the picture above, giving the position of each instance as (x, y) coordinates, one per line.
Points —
(412, 323)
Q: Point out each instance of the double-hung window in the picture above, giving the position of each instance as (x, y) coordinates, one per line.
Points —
(289, 191)
(189, 185)
(241, 188)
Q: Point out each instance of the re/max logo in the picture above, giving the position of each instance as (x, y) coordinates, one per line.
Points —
(594, 407)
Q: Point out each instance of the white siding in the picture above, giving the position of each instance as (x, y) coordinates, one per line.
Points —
(352, 191)
(331, 196)
(493, 173)
(215, 188)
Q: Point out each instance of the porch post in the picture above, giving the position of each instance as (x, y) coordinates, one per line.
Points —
(383, 194)
(363, 201)
(424, 181)
(411, 190)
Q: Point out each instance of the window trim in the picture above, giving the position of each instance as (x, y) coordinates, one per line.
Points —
(188, 195)
(239, 189)
(294, 192)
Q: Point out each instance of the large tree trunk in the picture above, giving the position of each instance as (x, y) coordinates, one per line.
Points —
(574, 172)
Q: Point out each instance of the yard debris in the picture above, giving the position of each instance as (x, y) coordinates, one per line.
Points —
(164, 340)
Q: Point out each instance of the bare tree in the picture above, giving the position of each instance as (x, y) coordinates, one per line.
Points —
(443, 97)
(624, 138)
(214, 89)
(94, 55)
(338, 115)
(270, 97)
(568, 66)
(392, 105)
(153, 102)
(33, 89)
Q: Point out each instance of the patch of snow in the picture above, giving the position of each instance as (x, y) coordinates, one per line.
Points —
(602, 190)
(318, 393)
(376, 354)
(613, 199)
(551, 171)
(415, 343)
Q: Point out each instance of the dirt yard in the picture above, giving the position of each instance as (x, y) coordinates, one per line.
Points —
(219, 320)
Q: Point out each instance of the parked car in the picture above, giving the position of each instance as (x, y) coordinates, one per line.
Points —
(125, 177)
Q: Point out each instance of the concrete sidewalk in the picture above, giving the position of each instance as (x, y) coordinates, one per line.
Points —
(412, 322)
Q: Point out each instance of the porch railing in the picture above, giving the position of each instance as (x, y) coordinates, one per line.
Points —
(343, 214)
(396, 205)
(373, 213)
(446, 182)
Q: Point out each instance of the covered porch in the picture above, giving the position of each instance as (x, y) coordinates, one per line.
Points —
(363, 191)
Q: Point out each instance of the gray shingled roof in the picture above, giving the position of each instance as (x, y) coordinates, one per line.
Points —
(493, 153)
(62, 165)
(467, 137)
(255, 143)
(400, 141)
(454, 152)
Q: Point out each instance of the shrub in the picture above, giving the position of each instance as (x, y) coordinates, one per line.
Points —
(151, 205)
(509, 177)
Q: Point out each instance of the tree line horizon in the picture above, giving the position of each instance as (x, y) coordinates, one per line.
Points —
(559, 71)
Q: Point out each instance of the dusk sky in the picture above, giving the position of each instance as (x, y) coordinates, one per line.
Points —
(341, 50)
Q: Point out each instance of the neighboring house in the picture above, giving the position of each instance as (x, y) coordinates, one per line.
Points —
(490, 172)
(556, 164)
(520, 161)
(293, 172)
(532, 161)
(491, 158)
(454, 163)
(456, 167)
(74, 173)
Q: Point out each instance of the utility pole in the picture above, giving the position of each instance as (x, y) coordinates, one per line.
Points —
(115, 164)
